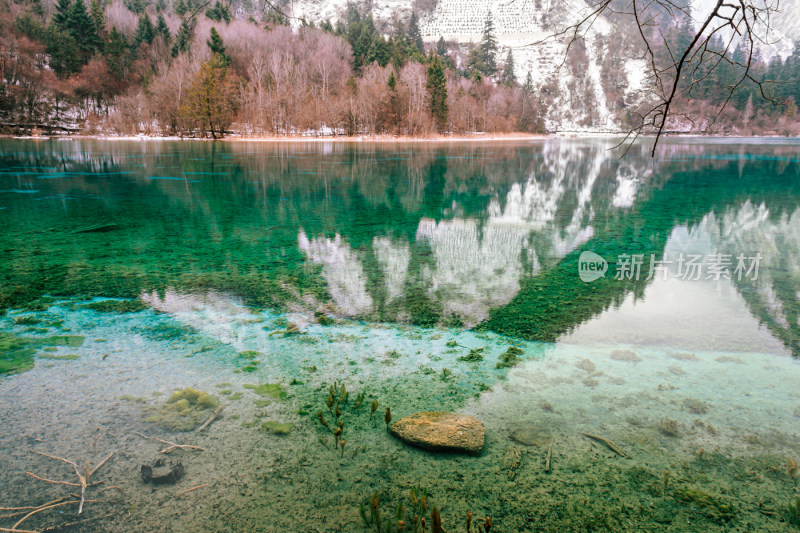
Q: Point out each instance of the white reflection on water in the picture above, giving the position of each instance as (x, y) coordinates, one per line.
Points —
(342, 270)
(393, 257)
(475, 268)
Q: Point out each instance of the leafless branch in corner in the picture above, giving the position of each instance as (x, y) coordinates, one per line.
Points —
(736, 23)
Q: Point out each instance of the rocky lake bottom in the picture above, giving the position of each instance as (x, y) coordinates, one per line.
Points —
(579, 435)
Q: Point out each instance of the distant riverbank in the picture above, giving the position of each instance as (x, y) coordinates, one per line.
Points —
(307, 138)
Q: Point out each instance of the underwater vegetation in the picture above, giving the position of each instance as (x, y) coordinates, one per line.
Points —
(183, 411)
(276, 428)
(166, 332)
(339, 403)
(73, 341)
(414, 517)
(67, 357)
(268, 390)
(26, 320)
(713, 507)
(475, 355)
(510, 357)
(16, 354)
(793, 513)
(117, 306)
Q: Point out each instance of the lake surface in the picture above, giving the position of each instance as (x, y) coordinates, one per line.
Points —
(551, 289)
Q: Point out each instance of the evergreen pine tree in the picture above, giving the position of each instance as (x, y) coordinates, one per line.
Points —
(475, 65)
(509, 78)
(61, 16)
(218, 47)
(183, 39)
(414, 35)
(437, 90)
(117, 56)
(219, 12)
(162, 29)
(82, 28)
(441, 48)
(181, 8)
(98, 17)
(145, 33)
(379, 51)
(527, 119)
(65, 58)
(488, 47)
(392, 82)
(792, 75)
(528, 86)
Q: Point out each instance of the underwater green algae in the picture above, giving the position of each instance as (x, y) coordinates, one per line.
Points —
(73, 341)
(66, 357)
(276, 428)
(510, 357)
(117, 306)
(269, 390)
(183, 411)
(16, 353)
(166, 331)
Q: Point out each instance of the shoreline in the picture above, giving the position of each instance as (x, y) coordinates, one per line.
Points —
(388, 139)
(302, 138)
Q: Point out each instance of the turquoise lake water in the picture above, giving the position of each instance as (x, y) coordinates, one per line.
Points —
(550, 289)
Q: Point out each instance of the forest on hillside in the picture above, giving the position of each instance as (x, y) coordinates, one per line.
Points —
(182, 68)
(163, 71)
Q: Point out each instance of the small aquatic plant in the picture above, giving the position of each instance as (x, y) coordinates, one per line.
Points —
(73, 341)
(474, 356)
(26, 320)
(16, 353)
(359, 400)
(276, 428)
(713, 507)
(669, 427)
(792, 512)
(323, 319)
(183, 411)
(510, 357)
(269, 390)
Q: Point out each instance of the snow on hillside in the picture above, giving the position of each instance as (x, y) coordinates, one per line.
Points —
(783, 32)
(319, 10)
(523, 26)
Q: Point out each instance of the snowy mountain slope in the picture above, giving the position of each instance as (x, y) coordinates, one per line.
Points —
(578, 92)
(784, 26)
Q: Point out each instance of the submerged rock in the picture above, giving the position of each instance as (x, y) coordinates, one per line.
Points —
(162, 473)
(439, 431)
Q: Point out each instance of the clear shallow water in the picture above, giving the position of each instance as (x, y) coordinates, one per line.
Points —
(394, 262)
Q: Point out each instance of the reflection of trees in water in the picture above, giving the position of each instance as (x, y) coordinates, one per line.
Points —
(421, 233)
(555, 301)
(771, 295)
